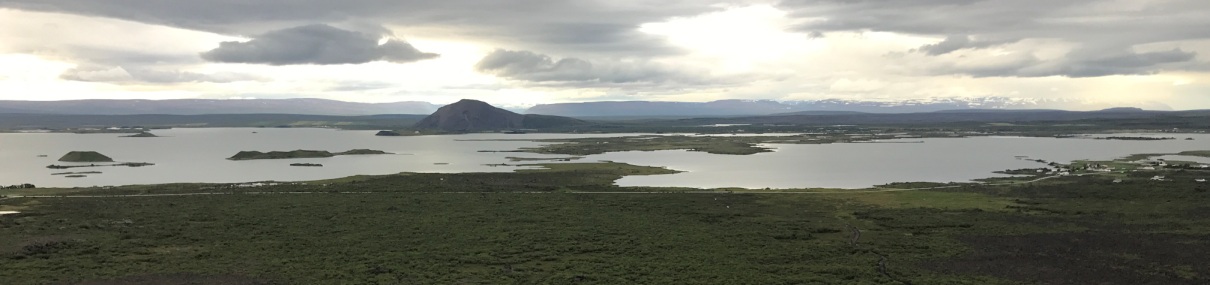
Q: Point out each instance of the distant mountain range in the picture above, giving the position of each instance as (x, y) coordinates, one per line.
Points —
(948, 116)
(828, 106)
(204, 106)
(723, 108)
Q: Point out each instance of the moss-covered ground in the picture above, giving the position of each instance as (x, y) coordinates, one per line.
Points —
(567, 223)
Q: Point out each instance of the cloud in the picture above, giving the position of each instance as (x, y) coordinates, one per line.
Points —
(125, 75)
(1127, 63)
(1095, 31)
(567, 27)
(534, 67)
(954, 43)
(1077, 64)
(315, 44)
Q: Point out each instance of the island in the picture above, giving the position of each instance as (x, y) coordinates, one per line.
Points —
(362, 151)
(142, 135)
(307, 164)
(254, 155)
(1137, 138)
(127, 164)
(85, 156)
(388, 134)
(76, 173)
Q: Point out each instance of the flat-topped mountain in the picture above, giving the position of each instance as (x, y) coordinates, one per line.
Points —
(474, 115)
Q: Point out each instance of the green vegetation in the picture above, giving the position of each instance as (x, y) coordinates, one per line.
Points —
(516, 159)
(566, 223)
(251, 155)
(142, 135)
(1137, 138)
(85, 156)
(362, 151)
(715, 145)
(1202, 153)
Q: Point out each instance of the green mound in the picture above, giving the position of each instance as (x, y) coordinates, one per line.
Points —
(85, 156)
(142, 135)
(362, 151)
(250, 155)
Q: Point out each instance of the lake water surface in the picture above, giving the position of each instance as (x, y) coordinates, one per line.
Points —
(199, 155)
(859, 165)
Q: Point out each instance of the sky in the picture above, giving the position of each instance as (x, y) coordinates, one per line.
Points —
(526, 52)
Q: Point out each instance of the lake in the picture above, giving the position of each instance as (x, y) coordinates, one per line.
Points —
(199, 155)
(860, 165)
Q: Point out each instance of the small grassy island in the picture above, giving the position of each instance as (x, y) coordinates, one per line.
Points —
(142, 135)
(252, 155)
(85, 156)
(388, 134)
(1137, 138)
(362, 152)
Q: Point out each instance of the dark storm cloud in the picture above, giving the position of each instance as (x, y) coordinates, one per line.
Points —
(555, 25)
(315, 44)
(1098, 29)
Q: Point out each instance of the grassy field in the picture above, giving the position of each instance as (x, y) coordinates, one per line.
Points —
(546, 226)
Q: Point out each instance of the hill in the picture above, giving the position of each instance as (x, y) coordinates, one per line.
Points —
(472, 115)
(85, 156)
(305, 106)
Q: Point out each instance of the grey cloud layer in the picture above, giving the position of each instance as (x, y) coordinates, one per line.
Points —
(540, 68)
(315, 44)
(128, 74)
(1106, 35)
(1084, 64)
(578, 27)
(955, 43)
(1101, 30)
